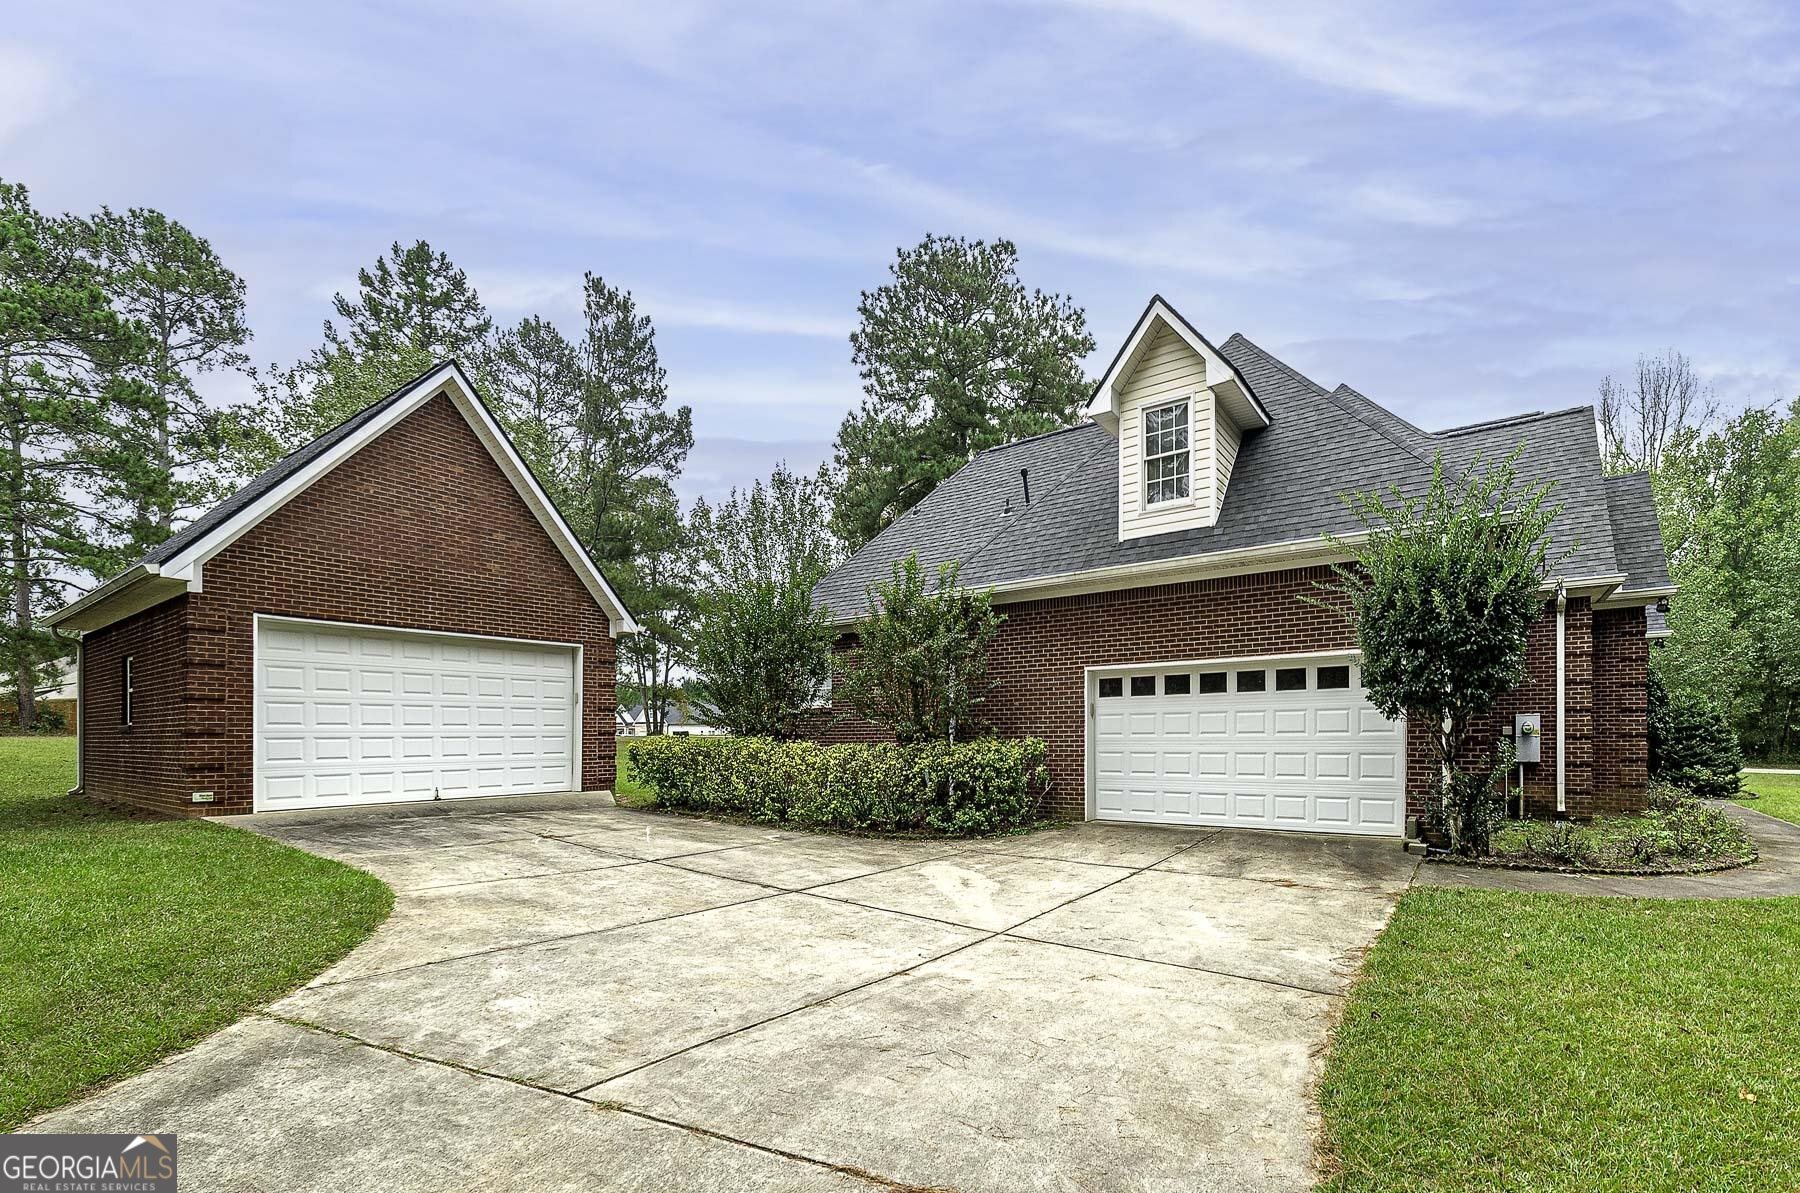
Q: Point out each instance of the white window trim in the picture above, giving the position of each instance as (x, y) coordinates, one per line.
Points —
(126, 694)
(1144, 456)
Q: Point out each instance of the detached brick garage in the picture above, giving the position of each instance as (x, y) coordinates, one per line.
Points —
(1157, 564)
(395, 612)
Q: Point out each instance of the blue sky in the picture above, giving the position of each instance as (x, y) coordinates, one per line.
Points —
(1463, 211)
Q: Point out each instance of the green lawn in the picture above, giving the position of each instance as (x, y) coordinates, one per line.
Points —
(1506, 1041)
(1779, 795)
(123, 938)
(627, 790)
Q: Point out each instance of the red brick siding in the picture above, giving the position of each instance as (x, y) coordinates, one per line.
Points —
(1621, 709)
(1041, 652)
(419, 529)
(143, 764)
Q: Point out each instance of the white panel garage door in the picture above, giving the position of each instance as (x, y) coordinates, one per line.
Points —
(1286, 743)
(366, 716)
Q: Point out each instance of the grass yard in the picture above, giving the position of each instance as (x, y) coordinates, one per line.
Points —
(1779, 795)
(627, 790)
(1509, 1041)
(126, 937)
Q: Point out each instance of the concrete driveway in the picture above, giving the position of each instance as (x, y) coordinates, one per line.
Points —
(593, 998)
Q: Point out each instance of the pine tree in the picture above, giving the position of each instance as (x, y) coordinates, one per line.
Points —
(190, 308)
(408, 313)
(60, 341)
(955, 356)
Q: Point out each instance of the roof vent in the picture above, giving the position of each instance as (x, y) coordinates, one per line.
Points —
(1025, 482)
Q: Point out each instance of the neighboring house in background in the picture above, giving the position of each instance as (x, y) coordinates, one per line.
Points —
(677, 722)
(1151, 563)
(58, 696)
(394, 612)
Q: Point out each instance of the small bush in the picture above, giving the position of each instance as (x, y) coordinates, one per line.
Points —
(1678, 832)
(985, 786)
(1692, 745)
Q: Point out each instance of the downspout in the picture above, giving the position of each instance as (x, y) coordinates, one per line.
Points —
(1562, 605)
(80, 711)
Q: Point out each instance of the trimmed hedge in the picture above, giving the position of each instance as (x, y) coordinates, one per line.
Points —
(986, 786)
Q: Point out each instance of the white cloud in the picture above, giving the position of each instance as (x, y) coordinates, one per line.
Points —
(1415, 55)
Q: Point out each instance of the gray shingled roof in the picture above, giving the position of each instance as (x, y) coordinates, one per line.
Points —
(1285, 486)
(1637, 535)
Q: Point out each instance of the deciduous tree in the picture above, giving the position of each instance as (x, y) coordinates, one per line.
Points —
(761, 649)
(1443, 593)
(920, 664)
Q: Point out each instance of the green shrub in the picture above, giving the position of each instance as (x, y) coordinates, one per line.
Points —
(985, 786)
(1677, 829)
(1692, 745)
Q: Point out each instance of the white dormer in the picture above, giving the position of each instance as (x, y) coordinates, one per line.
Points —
(1179, 411)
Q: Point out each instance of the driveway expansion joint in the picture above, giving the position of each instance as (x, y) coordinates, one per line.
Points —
(597, 1106)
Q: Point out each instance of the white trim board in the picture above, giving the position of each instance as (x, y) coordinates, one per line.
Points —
(188, 567)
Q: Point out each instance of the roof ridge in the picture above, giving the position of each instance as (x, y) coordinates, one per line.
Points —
(1345, 386)
(1470, 428)
(1000, 447)
(1276, 361)
(1381, 431)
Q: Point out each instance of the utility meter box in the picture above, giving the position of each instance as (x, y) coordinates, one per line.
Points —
(1528, 732)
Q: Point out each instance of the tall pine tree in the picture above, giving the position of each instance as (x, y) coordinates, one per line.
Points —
(61, 346)
(956, 355)
(190, 309)
(407, 312)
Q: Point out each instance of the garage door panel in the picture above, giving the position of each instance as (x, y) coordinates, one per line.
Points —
(369, 716)
(1314, 758)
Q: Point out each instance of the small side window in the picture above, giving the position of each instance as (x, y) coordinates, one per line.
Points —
(1334, 677)
(1212, 683)
(1180, 685)
(1112, 686)
(1143, 685)
(125, 691)
(1290, 679)
(1253, 681)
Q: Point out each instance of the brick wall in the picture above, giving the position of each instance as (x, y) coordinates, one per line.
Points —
(419, 529)
(1041, 652)
(142, 764)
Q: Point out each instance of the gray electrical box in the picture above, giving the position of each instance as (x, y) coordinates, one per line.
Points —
(1528, 734)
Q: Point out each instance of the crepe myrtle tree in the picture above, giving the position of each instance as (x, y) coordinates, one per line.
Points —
(1443, 592)
(920, 666)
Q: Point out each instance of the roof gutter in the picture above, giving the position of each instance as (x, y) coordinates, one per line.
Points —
(105, 592)
(1240, 561)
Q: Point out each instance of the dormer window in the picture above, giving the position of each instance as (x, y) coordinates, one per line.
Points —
(1166, 453)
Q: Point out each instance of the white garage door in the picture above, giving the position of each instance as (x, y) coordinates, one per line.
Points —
(366, 716)
(1283, 743)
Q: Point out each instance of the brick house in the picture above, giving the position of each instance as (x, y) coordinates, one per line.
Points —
(394, 612)
(1151, 564)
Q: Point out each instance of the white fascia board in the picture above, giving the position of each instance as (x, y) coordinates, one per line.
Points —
(1274, 557)
(1308, 552)
(103, 592)
(1104, 408)
(499, 444)
(1627, 598)
(452, 382)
